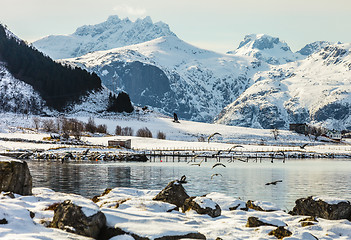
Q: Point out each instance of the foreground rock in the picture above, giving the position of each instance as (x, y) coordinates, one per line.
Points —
(15, 177)
(173, 193)
(280, 233)
(315, 207)
(71, 218)
(255, 222)
(202, 205)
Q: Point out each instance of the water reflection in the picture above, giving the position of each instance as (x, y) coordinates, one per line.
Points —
(301, 178)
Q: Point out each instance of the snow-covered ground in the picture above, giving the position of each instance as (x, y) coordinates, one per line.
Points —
(181, 136)
(140, 215)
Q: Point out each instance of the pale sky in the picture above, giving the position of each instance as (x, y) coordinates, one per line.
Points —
(217, 25)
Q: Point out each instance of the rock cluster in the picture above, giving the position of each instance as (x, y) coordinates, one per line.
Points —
(175, 193)
(15, 177)
(319, 208)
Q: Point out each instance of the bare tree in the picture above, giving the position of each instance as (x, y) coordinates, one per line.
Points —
(102, 128)
(118, 130)
(49, 125)
(36, 122)
(144, 132)
(161, 135)
(127, 131)
(90, 126)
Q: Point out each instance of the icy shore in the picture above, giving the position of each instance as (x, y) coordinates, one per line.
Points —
(25, 217)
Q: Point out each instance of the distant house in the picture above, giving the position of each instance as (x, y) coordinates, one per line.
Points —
(120, 143)
(334, 134)
(301, 128)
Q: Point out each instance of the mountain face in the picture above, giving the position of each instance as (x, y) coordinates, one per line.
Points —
(113, 33)
(261, 84)
(266, 48)
(313, 47)
(173, 76)
(31, 82)
(316, 89)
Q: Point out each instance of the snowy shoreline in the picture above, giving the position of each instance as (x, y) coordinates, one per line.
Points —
(137, 213)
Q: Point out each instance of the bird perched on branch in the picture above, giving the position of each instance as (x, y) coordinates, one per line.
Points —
(216, 174)
(218, 164)
(274, 182)
(213, 134)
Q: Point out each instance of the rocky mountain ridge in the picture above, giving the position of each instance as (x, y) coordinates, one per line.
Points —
(112, 33)
(261, 84)
(314, 90)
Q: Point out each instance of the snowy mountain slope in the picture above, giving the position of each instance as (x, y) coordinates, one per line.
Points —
(113, 33)
(313, 47)
(316, 89)
(17, 96)
(174, 76)
(266, 48)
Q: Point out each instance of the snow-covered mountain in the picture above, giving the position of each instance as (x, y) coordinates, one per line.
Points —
(316, 89)
(174, 76)
(113, 33)
(266, 48)
(18, 96)
(313, 47)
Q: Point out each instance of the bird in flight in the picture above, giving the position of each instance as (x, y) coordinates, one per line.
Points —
(216, 174)
(218, 164)
(303, 146)
(274, 182)
(213, 134)
(235, 146)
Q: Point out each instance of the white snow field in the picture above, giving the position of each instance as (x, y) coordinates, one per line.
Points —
(140, 215)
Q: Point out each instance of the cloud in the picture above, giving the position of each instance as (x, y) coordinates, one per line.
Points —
(129, 11)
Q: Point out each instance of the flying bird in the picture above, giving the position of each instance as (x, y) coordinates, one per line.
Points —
(216, 174)
(213, 134)
(199, 163)
(219, 152)
(86, 151)
(193, 158)
(303, 146)
(274, 182)
(218, 164)
(235, 146)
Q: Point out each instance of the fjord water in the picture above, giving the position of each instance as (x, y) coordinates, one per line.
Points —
(247, 181)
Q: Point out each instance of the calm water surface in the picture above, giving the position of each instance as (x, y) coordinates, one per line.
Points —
(301, 178)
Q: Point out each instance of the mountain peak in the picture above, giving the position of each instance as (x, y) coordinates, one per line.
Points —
(313, 47)
(262, 41)
(266, 48)
(112, 33)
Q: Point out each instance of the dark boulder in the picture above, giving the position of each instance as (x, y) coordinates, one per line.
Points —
(202, 205)
(186, 236)
(173, 193)
(319, 208)
(280, 232)
(250, 205)
(71, 218)
(15, 177)
(255, 222)
(3, 221)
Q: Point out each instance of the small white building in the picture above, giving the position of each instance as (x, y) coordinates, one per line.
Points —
(333, 134)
